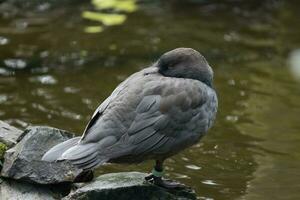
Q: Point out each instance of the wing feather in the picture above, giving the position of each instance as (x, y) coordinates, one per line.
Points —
(161, 118)
(102, 107)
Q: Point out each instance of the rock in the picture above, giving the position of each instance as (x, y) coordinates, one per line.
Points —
(126, 185)
(23, 161)
(10, 189)
(9, 135)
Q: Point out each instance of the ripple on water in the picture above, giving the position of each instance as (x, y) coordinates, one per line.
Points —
(71, 115)
(39, 70)
(181, 176)
(193, 167)
(205, 198)
(44, 79)
(294, 63)
(3, 98)
(17, 123)
(231, 37)
(41, 92)
(232, 118)
(71, 90)
(15, 63)
(209, 182)
(3, 40)
(86, 101)
(4, 72)
(185, 158)
(40, 107)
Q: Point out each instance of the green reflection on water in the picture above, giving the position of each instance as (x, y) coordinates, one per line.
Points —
(120, 5)
(105, 18)
(53, 73)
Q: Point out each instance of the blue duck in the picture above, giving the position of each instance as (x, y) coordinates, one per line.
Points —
(154, 114)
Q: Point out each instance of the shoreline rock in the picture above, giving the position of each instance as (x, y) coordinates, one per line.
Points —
(23, 161)
(9, 135)
(11, 189)
(127, 186)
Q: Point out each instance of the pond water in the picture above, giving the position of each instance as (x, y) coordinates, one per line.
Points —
(58, 62)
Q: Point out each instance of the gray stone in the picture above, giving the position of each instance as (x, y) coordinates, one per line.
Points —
(126, 185)
(23, 161)
(10, 189)
(9, 135)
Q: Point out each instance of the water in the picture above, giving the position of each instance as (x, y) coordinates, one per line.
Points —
(56, 67)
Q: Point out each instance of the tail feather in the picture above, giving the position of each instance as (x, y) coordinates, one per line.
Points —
(86, 159)
(82, 165)
(79, 151)
(84, 156)
(88, 163)
(55, 152)
(95, 163)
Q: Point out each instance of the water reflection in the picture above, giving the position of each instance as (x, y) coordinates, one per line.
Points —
(44, 79)
(15, 63)
(3, 98)
(3, 40)
(194, 167)
(294, 63)
(209, 182)
(5, 72)
(115, 16)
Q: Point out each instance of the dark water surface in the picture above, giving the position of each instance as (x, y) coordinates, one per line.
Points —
(56, 67)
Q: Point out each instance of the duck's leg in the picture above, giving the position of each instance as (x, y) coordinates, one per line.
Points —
(156, 178)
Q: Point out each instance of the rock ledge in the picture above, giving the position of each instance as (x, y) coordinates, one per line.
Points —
(23, 161)
(126, 186)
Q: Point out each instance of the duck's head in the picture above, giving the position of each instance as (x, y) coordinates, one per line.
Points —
(185, 63)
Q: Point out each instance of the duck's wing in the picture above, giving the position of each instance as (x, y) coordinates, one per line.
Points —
(122, 90)
(122, 86)
(102, 107)
(165, 118)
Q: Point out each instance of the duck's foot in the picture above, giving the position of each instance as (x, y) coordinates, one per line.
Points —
(165, 183)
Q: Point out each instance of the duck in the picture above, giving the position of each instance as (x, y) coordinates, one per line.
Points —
(154, 114)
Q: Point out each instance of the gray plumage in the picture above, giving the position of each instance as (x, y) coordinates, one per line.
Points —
(153, 114)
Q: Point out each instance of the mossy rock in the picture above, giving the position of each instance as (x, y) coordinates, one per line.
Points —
(3, 148)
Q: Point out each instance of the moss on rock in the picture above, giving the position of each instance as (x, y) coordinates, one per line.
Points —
(3, 148)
